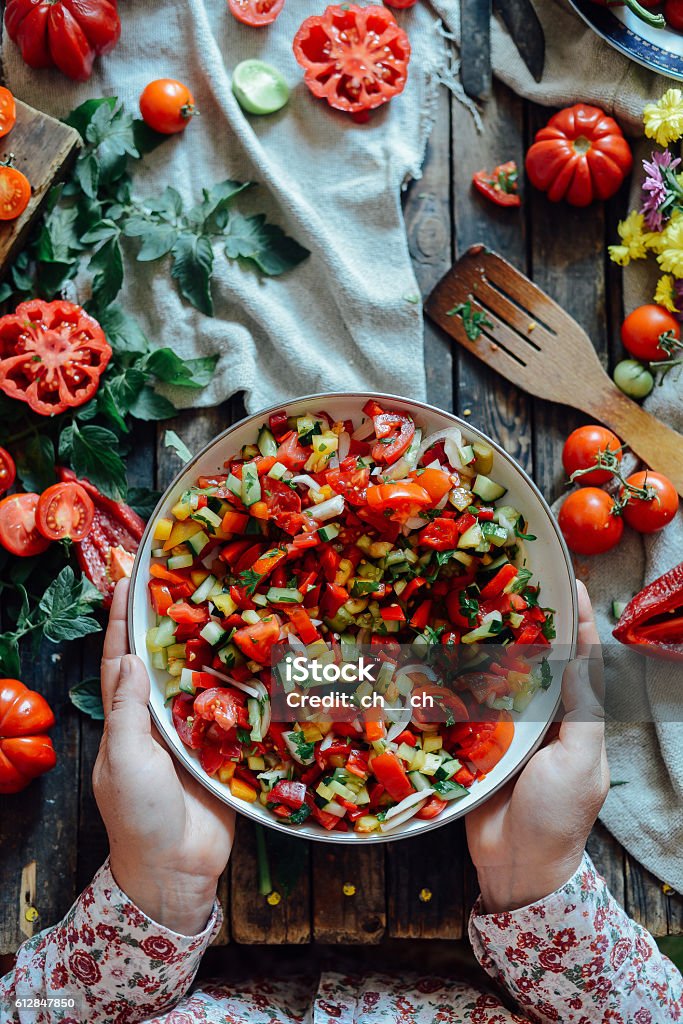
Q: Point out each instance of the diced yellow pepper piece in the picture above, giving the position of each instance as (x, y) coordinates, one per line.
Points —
(181, 533)
(181, 511)
(162, 529)
(311, 732)
(225, 604)
(198, 576)
(242, 791)
(431, 742)
(257, 764)
(226, 771)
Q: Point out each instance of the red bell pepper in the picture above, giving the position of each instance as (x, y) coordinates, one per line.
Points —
(496, 585)
(291, 794)
(653, 619)
(390, 773)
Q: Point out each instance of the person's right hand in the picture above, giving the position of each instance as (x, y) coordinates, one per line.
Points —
(529, 838)
(169, 838)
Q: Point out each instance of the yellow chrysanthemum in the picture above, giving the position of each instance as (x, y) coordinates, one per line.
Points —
(670, 246)
(665, 294)
(664, 120)
(635, 240)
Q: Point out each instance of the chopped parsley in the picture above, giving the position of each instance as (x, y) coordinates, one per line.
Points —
(520, 581)
(304, 749)
(469, 607)
(250, 580)
(297, 817)
(523, 536)
(244, 736)
(472, 320)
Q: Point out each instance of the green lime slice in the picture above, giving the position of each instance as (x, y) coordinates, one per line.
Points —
(259, 88)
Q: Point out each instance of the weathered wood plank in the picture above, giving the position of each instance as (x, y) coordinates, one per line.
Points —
(425, 885)
(608, 857)
(349, 898)
(255, 919)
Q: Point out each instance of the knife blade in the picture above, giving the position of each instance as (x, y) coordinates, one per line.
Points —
(526, 31)
(475, 48)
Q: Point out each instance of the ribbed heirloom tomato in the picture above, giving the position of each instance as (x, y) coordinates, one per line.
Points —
(52, 355)
(67, 34)
(25, 750)
(581, 155)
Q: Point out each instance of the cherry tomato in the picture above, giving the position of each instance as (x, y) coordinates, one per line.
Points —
(581, 450)
(488, 743)
(8, 111)
(588, 523)
(65, 510)
(673, 12)
(633, 378)
(256, 13)
(649, 516)
(642, 330)
(8, 471)
(18, 533)
(15, 192)
(167, 106)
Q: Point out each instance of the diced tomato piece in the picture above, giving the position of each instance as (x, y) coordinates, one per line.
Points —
(292, 794)
(301, 621)
(235, 522)
(357, 763)
(432, 808)
(257, 641)
(290, 453)
(232, 551)
(391, 774)
(406, 737)
(278, 424)
(435, 481)
(440, 535)
(496, 585)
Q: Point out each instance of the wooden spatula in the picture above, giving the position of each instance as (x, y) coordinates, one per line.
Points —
(531, 341)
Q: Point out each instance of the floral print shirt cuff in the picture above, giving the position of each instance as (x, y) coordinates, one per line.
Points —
(576, 956)
(105, 957)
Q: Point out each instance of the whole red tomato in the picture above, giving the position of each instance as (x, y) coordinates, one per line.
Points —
(167, 106)
(25, 750)
(67, 34)
(581, 451)
(588, 522)
(648, 515)
(646, 328)
(581, 155)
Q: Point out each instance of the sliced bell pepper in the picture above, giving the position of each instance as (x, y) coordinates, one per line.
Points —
(653, 619)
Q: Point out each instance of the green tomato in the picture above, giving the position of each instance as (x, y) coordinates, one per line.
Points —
(259, 88)
(633, 378)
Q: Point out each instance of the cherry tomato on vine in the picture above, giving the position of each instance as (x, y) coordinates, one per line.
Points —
(634, 379)
(8, 111)
(8, 470)
(15, 192)
(642, 330)
(650, 515)
(65, 511)
(18, 533)
(256, 13)
(581, 451)
(167, 106)
(588, 522)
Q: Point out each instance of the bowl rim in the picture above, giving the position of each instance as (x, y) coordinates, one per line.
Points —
(350, 837)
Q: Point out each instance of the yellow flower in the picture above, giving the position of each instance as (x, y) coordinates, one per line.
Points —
(664, 120)
(670, 246)
(665, 294)
(636, 241)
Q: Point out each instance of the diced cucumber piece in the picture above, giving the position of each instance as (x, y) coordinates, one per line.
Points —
(471, 538)
(206, 515)
(329, 531)
(176, 651)
(158, 553)
(254, 709)
(334, 808)
(260, 600)
(515, 619)
(230, 655)
(234, 484)
(251, 617)
(494, 533)
(506, 512)
(172, 689)
(181, 561)
(204, 589)
(251, 485)
(447, 769)
(432, 762)
(160, 659)
(449, 790)
(339, 789)
(277, 471)
(618, 608)
(289, 594)
(487, 489)
(324, 792)
(198, 542)
(187, 681)
(487, 629)
(419, 781)
(212, 632)
(466, 454)
(267, 443)
(305, 425)
(483, 455)
(165, 632)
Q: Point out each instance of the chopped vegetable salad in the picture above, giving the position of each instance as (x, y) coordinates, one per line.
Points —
(323, 535)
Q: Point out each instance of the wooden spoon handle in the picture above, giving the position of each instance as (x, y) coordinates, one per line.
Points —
(659, 446)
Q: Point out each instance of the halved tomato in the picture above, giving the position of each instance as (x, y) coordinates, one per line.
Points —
(256, 13)
(8, 111)
(15, 192)
(18, 533)
(8, 470)
(65, 511)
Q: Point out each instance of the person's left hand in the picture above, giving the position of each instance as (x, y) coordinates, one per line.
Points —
(169, 838)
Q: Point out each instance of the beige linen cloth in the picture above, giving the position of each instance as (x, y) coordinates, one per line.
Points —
(345, 319)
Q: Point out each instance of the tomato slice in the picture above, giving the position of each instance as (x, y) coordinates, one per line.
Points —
(188, 614)
(440, 534)
(256, 13)
(18, 533)
(52, 354)
(351, 480)
(432, 808)
(65, 511)
(394, 432)
(390, 773)
(8, 470)
(8, 111)
(398, 501)
(499, 185)
(15, 192)
(217, 705)
(257, 641)
(488, 743)
(284, 505)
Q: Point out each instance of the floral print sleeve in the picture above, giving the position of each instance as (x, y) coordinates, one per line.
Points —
(105, 963)
(577, 957)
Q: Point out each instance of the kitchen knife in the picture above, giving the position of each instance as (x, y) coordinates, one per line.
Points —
(475, 47)
(526, 30)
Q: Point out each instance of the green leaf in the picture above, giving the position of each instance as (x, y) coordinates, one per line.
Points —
(68, 604)
(108, 264)
(267, 245)
(5, 291)
(81, 117)
(150, 406)
(58, 239)
(157, 241)
(87, 697)
(10, 664)
(36, 463)
(168, 367)
(122, 331)
(111, 133)
(167, 204)
(25, 609)
(143, 500)
(100, 232)
(192, 268)
(93, 453)
(118, 394)
(211, 215)
(87, 173)
(146, 139)
(171, 440)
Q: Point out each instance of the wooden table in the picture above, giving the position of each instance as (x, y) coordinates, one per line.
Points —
(51, 838)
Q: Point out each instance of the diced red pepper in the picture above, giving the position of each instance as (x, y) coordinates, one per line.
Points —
(292, 794)
(391, 774)
(301, 621)
(278, 424)
(160, 594)
(231, 552)
(421, 615)
(392, 613)
(496, 585)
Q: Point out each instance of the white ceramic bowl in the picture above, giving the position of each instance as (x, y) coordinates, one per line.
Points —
(547, 556)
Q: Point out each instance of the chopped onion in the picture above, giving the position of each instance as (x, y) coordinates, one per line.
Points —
(344, 444)
(304, 478)
(327, 740)
(377, 471)
(363, 432)
(333, 463)
(327, 509)
(400, 819)
(452, 438)
(296, 642)
(409, 801)
(415, 523)
(251, 690)
(397, 728)
(408, 460)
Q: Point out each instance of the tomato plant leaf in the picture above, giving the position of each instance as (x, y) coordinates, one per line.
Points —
(112, 135)
(36, 463)
(192, 267)
(87, 697)
(67, 606)
(81, 117)
(9, 656)
(168, 367)
(107, 263)
(123, 332)
(265, 244)
(148, 405)
(211, 215)
(171, 440)
(93, 453)
(157, 240)
(143, 500)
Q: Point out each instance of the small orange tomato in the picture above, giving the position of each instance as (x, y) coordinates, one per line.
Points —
(8, 111)
(15, 192)
(167, 106)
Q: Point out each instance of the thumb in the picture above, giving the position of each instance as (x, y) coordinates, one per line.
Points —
(129, 716)
(583, 726)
